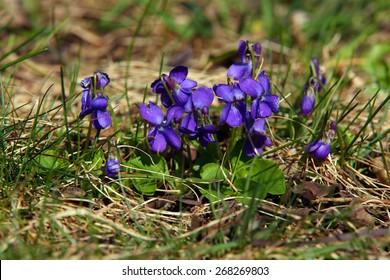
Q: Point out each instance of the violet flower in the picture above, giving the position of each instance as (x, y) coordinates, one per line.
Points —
(195, 124)
(177, 84)
(312, 87)
(320, 149)
(264, 104)
(161, 133)
(234, 112)
(97, 107)
(112, 167)
(244, 69)
(254, 145)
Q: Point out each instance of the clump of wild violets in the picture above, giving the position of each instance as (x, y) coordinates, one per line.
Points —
(94, 102)
(184, 116)
(246, 97)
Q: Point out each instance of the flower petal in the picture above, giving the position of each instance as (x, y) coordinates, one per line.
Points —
(102, 80)
(172, 138)
(314, 145)
(237, 92)
(241, 50)
(158, 87)
(157, 140)
(202, 97)
(307, 104)
(240, 70)
(256, 49)
(322, 152)
(263, 110)
(252, 148)
(208, 128)
(251, 87)
(179, 74)
(205, 139)
(112, 167)
(225, 92)
(187, 85)
(188, 125)
(166, 100)
(86, 98)
(272, 101)
(234, 117)
(180, 97)
(86, 83)
(152, 114)
(102, 120)
(175, 113)
(264, 81)
(258, 126)
(99, 103)
(86, 112)
(225, 113)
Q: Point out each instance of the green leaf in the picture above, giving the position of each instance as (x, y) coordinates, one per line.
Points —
(150, 170)
(49, 160)
(213, 171)
(217, 188)
(259, 178)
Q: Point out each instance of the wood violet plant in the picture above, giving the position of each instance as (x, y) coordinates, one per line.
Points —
(188, 124)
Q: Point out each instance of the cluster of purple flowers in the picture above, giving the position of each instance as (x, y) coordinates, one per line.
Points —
(247, 103)
(247, 100)
(187, 111)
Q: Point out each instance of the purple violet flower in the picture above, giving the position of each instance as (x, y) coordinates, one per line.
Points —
(308, 101)
(161, 133)
(320, 78)
(97, 107)
(112, 167)
(243, 69)
(320, 149)
(264, 104)
(195, 123)
(312, 87)
(178, 85)
(254, 145)
(235, 111)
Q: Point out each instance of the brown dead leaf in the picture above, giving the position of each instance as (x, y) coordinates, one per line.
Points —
(379, 169)
(312, 191)
(360, 215)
